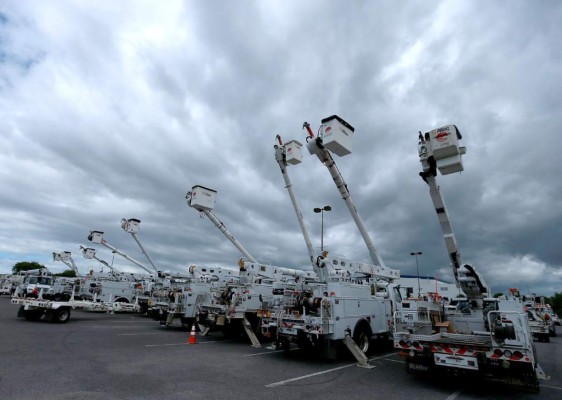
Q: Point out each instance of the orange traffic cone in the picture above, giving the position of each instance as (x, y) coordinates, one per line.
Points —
(192, 336)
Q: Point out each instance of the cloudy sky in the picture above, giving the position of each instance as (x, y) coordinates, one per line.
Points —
(115, 110)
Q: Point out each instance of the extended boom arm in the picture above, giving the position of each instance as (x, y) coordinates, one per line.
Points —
(316, 146)
(203, 200)
(97, 237)
(440, 150)
(66, 257)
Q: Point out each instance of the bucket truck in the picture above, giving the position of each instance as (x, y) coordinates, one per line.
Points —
(176, 297)
(90, 253)
(131, 226)
(160, 284)
(59, 311)
(97, 237)
(137, 292)
(103, 288)
(347, 306)
(66, 258)
(35, 282)
(258, 292)
(55, 301)
(475, 334)
(203, 200)
(184, 303)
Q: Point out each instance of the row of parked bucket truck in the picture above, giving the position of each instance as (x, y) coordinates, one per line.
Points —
(339, 303)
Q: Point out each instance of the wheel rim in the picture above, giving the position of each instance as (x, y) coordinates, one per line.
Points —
(363, 343)
(63, 315)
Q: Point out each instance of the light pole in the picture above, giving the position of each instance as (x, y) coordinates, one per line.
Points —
(417, 253)
(321, 210)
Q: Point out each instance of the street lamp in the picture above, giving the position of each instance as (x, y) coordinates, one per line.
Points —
(418, 253)
(321, 210)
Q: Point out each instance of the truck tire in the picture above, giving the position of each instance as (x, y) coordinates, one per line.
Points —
(362, 336)
(33, 315)
(61, 316)
(187, 323)
(121, 300)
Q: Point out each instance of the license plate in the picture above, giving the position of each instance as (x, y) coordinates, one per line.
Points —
(448, 360)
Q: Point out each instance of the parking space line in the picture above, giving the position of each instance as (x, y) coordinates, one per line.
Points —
(322, 372)
(454, 395)
(183, 343)
(264, 353)
(551, 387)
(139, 334)
(396, 361)
(267, 352)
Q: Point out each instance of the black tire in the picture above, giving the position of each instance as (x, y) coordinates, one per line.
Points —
(362, 336)
(121, 300)
(330, 349)
(61, 316)
(187, 323)
(232, 330)
(285, 345)
(33, 315)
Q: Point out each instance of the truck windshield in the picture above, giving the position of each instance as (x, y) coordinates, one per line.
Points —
(41, 280)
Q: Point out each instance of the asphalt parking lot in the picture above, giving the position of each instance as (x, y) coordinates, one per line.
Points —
(124, 356)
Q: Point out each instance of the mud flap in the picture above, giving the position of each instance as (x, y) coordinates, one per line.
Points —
(540, 373)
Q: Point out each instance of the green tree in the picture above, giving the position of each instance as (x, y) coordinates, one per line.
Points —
(498, 295)
(67, 273)
(26, 266)
(555, 302)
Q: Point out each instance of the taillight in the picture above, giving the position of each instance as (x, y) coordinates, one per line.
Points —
(507, 353)
(498, 352)
(517, 355)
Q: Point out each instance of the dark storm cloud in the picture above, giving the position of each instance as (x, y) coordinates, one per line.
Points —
(123, 108)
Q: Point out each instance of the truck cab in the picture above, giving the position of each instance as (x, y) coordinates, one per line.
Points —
(33, 285)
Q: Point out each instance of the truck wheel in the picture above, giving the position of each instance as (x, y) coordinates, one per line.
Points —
(362, 337)
(33, 315)
(62, 315)
(121, 300)
(187, 323)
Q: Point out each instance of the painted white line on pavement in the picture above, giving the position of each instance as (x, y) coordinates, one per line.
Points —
(183, 343)
(267, 352)
(322, 372)
(454, 395)
(551, 387)
(139, 334)
(396, 361)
